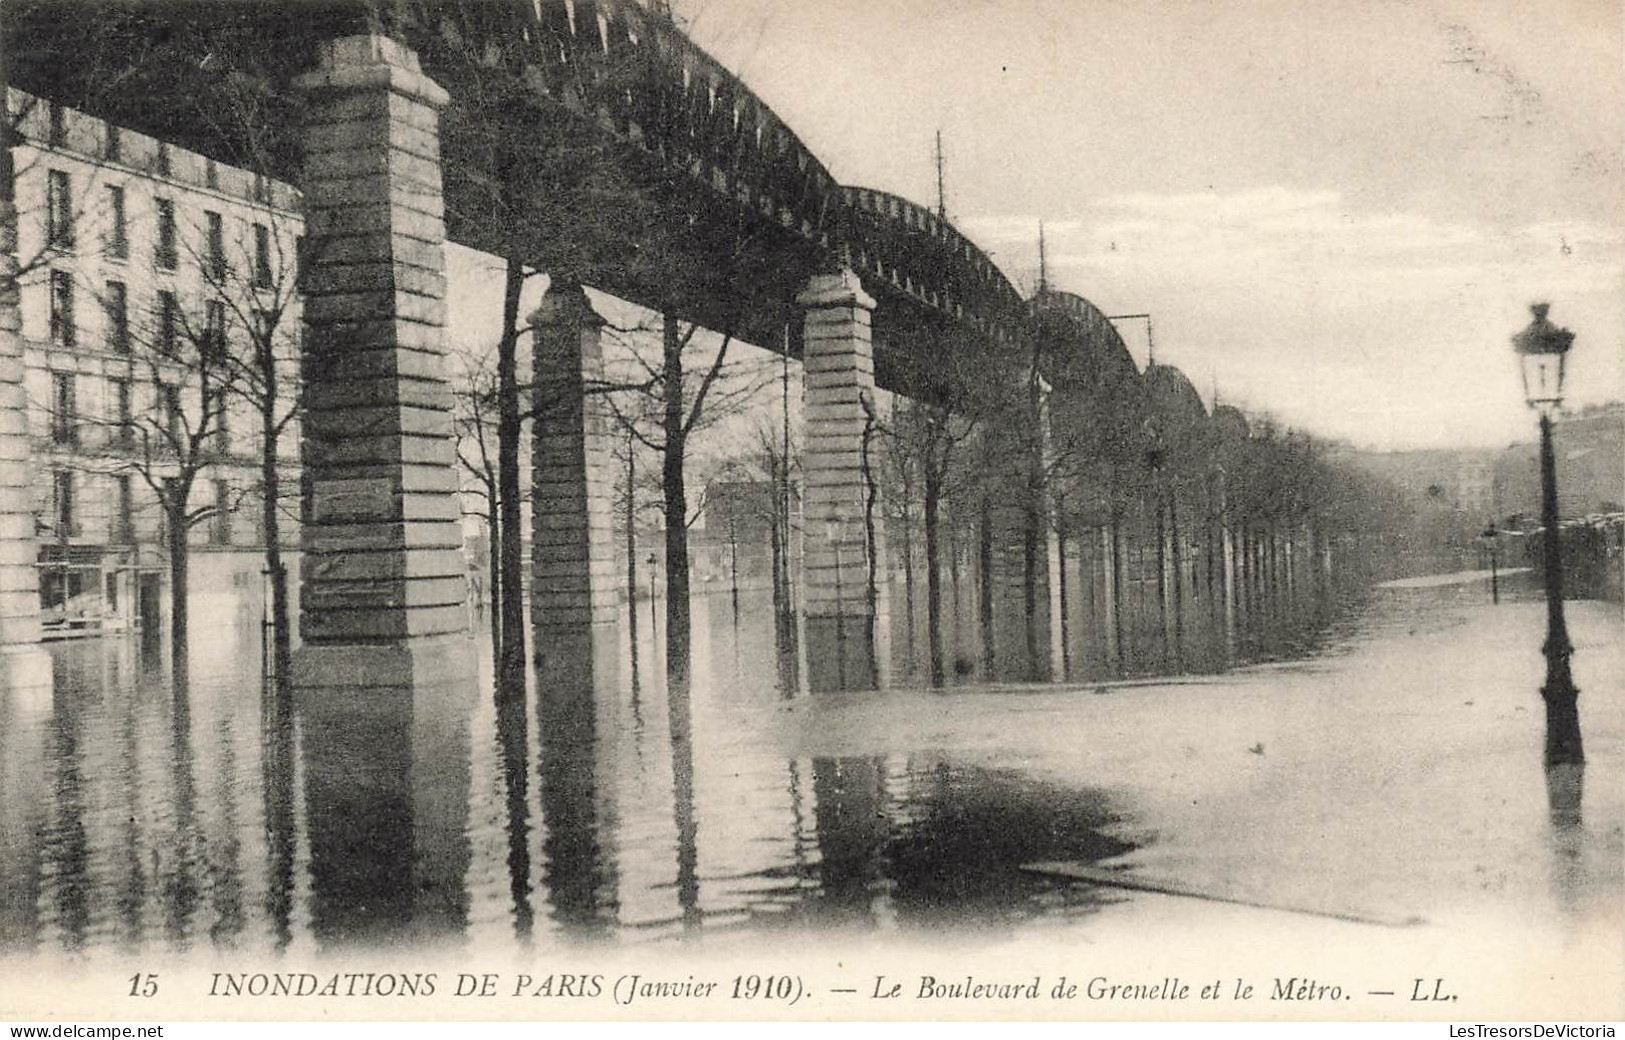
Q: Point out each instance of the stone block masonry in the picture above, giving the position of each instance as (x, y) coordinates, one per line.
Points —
(574, 580)
(19, 586)
(382, 569)
(842, 624)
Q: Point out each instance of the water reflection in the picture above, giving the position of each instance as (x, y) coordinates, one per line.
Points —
(579, 869)
(386, 793)
(227, 811)
(1565, 789)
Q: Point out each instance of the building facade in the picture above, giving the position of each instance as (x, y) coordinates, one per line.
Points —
(158, 302)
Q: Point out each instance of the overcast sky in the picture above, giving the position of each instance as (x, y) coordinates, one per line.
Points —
(1335, 211)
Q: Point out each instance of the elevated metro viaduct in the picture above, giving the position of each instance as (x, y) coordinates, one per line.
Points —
(593, 140)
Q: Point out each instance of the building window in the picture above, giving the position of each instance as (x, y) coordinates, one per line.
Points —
(262, 188)
(220, 530)
(161, 163)
(262, 256)
(168, 253)
(171, 396)
(64, 410)
(117, 303)
(222, 428)
(211, 174)
(216, 245)
(169, 322)
(63, 329)
(116, 240)
(123, 431)
(123, 510)
(58, 124)
(214, 329)
(62, 505)
(112, 145)
(59, 210)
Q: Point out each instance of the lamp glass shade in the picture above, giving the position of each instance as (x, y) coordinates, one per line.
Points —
(1542, 348)
(1543, 379)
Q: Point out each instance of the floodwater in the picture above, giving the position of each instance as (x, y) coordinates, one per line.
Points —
(134, 816)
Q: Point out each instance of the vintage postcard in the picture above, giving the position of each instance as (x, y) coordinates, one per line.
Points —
(680, 510)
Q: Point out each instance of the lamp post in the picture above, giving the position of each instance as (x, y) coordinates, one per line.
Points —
(654, 621)
(1489, 543)
(1541, 349)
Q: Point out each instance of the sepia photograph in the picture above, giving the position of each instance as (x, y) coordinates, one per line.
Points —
(807, 510)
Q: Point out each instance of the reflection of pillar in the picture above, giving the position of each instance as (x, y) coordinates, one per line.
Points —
(578, 871)
(382, 566)
(573, 584)
(839, 377)
(22, 665)
(386, 805)
(850, 814)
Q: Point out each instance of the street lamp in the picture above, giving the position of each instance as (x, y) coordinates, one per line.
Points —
(654, 622)
(1542, 348)
(1489, 543)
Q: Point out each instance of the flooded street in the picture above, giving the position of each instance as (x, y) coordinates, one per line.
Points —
(1393, 771)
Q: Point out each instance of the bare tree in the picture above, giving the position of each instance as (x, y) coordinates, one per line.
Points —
(474, 394)
(256, 285)
(663, 413)
(183, 362)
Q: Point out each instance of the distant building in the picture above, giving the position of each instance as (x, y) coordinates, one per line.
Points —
(1589, 449)
(123, 240)
(738, 523)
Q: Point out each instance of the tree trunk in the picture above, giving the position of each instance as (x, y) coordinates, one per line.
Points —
(733, 569)
(494, 593)
(270, 491)
(781, 610)
(179, 593)
(511, 667)
(1116, 565)
(1162, 568)
(632, 558)
(676, 506)
(953, 575)
(908, 561)
(984, 583)
(1177, 561)
(1031, 669)
(1066, 646)
(871, 498)
(933, 577)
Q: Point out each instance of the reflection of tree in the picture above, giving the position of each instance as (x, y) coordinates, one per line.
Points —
(681, 727)
(277, 791)
(474, 408)
(514, 745)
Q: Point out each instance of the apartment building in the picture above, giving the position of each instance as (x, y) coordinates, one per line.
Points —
(142, 265)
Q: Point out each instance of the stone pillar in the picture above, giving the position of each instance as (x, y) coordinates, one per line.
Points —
(574, 583)
(383, 579)
(22, 663)
(842, 629)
